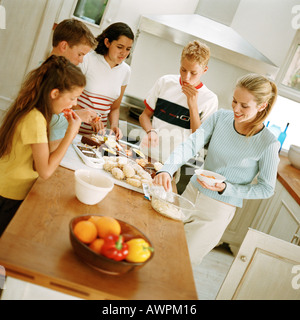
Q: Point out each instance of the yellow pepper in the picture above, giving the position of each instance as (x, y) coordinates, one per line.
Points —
(138, 250)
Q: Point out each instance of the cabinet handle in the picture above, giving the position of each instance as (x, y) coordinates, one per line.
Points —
(296, 239)
(244, 258)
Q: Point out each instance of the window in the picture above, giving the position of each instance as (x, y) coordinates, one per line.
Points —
(288, 79)
(286, 111)
(90, 10)
(287, 107)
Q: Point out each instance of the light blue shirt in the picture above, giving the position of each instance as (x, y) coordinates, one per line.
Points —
(58, 126)
(237, 157)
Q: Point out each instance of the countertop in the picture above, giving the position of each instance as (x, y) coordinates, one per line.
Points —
(289, 177)
(43, 253)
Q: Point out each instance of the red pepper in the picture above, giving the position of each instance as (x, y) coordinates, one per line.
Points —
(114, 247)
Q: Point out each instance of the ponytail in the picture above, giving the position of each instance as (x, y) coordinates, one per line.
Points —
(264, 91)
(113, 32)
(55, 73)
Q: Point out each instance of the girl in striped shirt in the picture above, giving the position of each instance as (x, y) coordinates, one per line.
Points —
(107, 76)
(240, 148)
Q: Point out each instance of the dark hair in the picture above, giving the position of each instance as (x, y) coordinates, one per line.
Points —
(55, 73)
(113, 32)
(74, 32)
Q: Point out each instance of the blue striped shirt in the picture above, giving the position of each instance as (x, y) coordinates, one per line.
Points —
(237, 157)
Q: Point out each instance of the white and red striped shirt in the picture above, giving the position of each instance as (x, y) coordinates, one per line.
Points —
(99, 103)
(103, 86)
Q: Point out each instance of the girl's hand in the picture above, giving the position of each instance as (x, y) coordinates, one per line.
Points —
(217, 187)
(87, 115)
(74, 123)
(117, 132)
(163, 179)
(97, 125)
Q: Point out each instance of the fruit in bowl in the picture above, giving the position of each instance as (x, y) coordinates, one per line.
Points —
(209, 177)
(109, 245)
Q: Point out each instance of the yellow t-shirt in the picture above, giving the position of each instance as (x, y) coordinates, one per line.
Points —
(17, 174)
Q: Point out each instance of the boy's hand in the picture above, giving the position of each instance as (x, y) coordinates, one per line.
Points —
(150, 140)
(191, 93)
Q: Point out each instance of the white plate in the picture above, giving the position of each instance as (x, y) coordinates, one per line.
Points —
(206, 176)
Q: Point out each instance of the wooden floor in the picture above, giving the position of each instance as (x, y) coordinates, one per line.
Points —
(208, 277)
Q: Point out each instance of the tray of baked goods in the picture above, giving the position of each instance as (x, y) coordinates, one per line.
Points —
(123, 162)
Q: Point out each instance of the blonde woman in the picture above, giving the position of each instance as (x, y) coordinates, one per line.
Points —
(240, 148)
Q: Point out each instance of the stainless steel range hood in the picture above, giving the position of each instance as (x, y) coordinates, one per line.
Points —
(225, 43)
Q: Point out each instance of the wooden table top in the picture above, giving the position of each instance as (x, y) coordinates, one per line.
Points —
(36, 248)
(289, 176)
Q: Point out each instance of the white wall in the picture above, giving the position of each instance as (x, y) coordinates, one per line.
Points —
(154, 57)
(130, 11)
(267, 25)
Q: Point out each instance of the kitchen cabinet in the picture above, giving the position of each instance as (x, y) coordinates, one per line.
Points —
(265, 268)
(280, 216)
(244, 218)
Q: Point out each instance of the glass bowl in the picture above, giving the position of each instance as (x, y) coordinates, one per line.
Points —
(170, 204)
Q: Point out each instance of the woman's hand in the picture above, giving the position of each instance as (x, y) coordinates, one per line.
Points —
(217, 187)
(163, 179)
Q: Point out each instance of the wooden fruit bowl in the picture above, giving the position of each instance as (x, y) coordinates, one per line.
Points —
(98, 261)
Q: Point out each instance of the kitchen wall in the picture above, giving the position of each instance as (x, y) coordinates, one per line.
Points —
(129, 11)
(27, 38)
(257, 21)
(265, 23)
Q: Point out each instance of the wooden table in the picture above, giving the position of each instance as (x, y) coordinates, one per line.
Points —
(36, 248)
(289, 176)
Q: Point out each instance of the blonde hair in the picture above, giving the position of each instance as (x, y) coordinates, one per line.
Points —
(196, 51)
(264, 91)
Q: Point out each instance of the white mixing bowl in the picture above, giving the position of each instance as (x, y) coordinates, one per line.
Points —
(91, 186)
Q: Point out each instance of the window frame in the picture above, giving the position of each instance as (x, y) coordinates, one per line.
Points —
(283, 90)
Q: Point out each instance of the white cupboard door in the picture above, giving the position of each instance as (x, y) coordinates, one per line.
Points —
(265, 268)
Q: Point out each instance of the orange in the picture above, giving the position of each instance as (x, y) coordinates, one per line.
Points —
(94, 219)
(85, 231)
(96, 245)
(106, 226)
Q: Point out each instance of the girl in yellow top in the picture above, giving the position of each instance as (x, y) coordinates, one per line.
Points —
(24, 148)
